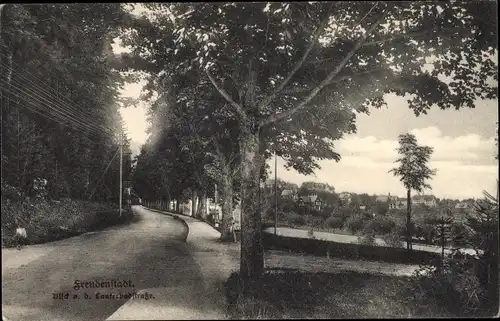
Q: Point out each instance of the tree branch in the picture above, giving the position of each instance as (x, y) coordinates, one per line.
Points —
(326, 81)
(397, 37)
(335, 81)
(266, 101)
(237, 107)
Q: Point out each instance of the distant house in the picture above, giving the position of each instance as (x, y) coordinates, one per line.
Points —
(429, 200)
(345, 197)
(398, 203)
(311, 201)
(394, 202)
(289, 194)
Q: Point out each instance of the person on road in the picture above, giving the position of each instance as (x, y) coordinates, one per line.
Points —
(20, 238)
(232, 228)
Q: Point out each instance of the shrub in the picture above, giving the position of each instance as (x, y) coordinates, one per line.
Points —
(315, 221)
(354, 224)
(48, 220)
(295, 219)
(427, 231)
(393, 239)
(380, 225)
(325, 212)
(335, 222)
(460, 234)
(366, 239)
(455, 286)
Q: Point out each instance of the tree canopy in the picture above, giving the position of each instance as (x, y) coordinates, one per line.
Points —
(60, 98)
(293, 75)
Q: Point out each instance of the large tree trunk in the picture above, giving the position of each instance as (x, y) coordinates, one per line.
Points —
(252, 251)
(408, 220)
(227, 206)
(177, 207)
(204, 205)
(199, 205)
(193, 202)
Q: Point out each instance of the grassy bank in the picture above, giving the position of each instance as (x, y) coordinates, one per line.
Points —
(49, 220)
(292, 294)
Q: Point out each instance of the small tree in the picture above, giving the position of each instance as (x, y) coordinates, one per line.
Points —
(483, 224)
(412, 171)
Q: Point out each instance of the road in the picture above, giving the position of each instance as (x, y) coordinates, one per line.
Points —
(341, 238)
(150, 252)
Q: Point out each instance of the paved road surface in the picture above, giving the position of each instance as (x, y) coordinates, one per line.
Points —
(149, 252)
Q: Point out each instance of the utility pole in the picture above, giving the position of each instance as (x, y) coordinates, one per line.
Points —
(216, 218)
(121, 172)
(275, 193)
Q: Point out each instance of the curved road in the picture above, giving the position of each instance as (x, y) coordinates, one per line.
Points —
(150, 252)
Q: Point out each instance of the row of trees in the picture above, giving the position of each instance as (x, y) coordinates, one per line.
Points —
(59, 99)
(254, 79)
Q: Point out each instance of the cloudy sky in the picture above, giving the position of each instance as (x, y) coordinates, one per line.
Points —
(463, 144)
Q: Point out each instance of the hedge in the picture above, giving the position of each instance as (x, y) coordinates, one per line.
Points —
(347, 250)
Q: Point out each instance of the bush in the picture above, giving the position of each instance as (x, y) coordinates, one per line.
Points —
(455, 286)
(49, 220)
(460, 234)
(426, 231)
(393, 239)
(380, 225)
(366, 239)
(335, 222)
(325, 212)
(295, 219)
(355, 224)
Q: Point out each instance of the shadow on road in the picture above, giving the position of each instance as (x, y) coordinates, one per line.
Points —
(148, 250)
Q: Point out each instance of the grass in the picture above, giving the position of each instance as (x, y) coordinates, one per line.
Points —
(292, 294)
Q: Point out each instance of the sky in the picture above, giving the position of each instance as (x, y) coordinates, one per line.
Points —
(463, 143)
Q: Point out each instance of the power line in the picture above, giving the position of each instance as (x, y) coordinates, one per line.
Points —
(107, 167)
(55, 120)
(63, 117)
(64, 106)
(58, 94)
(50, 109)
(49, 90)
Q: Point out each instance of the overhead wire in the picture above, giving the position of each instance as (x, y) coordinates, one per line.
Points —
(104, 89)
(57, 113)
(54, 112)
(45, 115)
(57, 101)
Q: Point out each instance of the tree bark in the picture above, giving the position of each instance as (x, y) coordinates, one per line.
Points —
(203, 202)
(252, 251)
(408, 220)
(199, 205)
(227, 205)
(193, 203)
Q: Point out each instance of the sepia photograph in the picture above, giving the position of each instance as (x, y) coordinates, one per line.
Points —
(249, 160)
